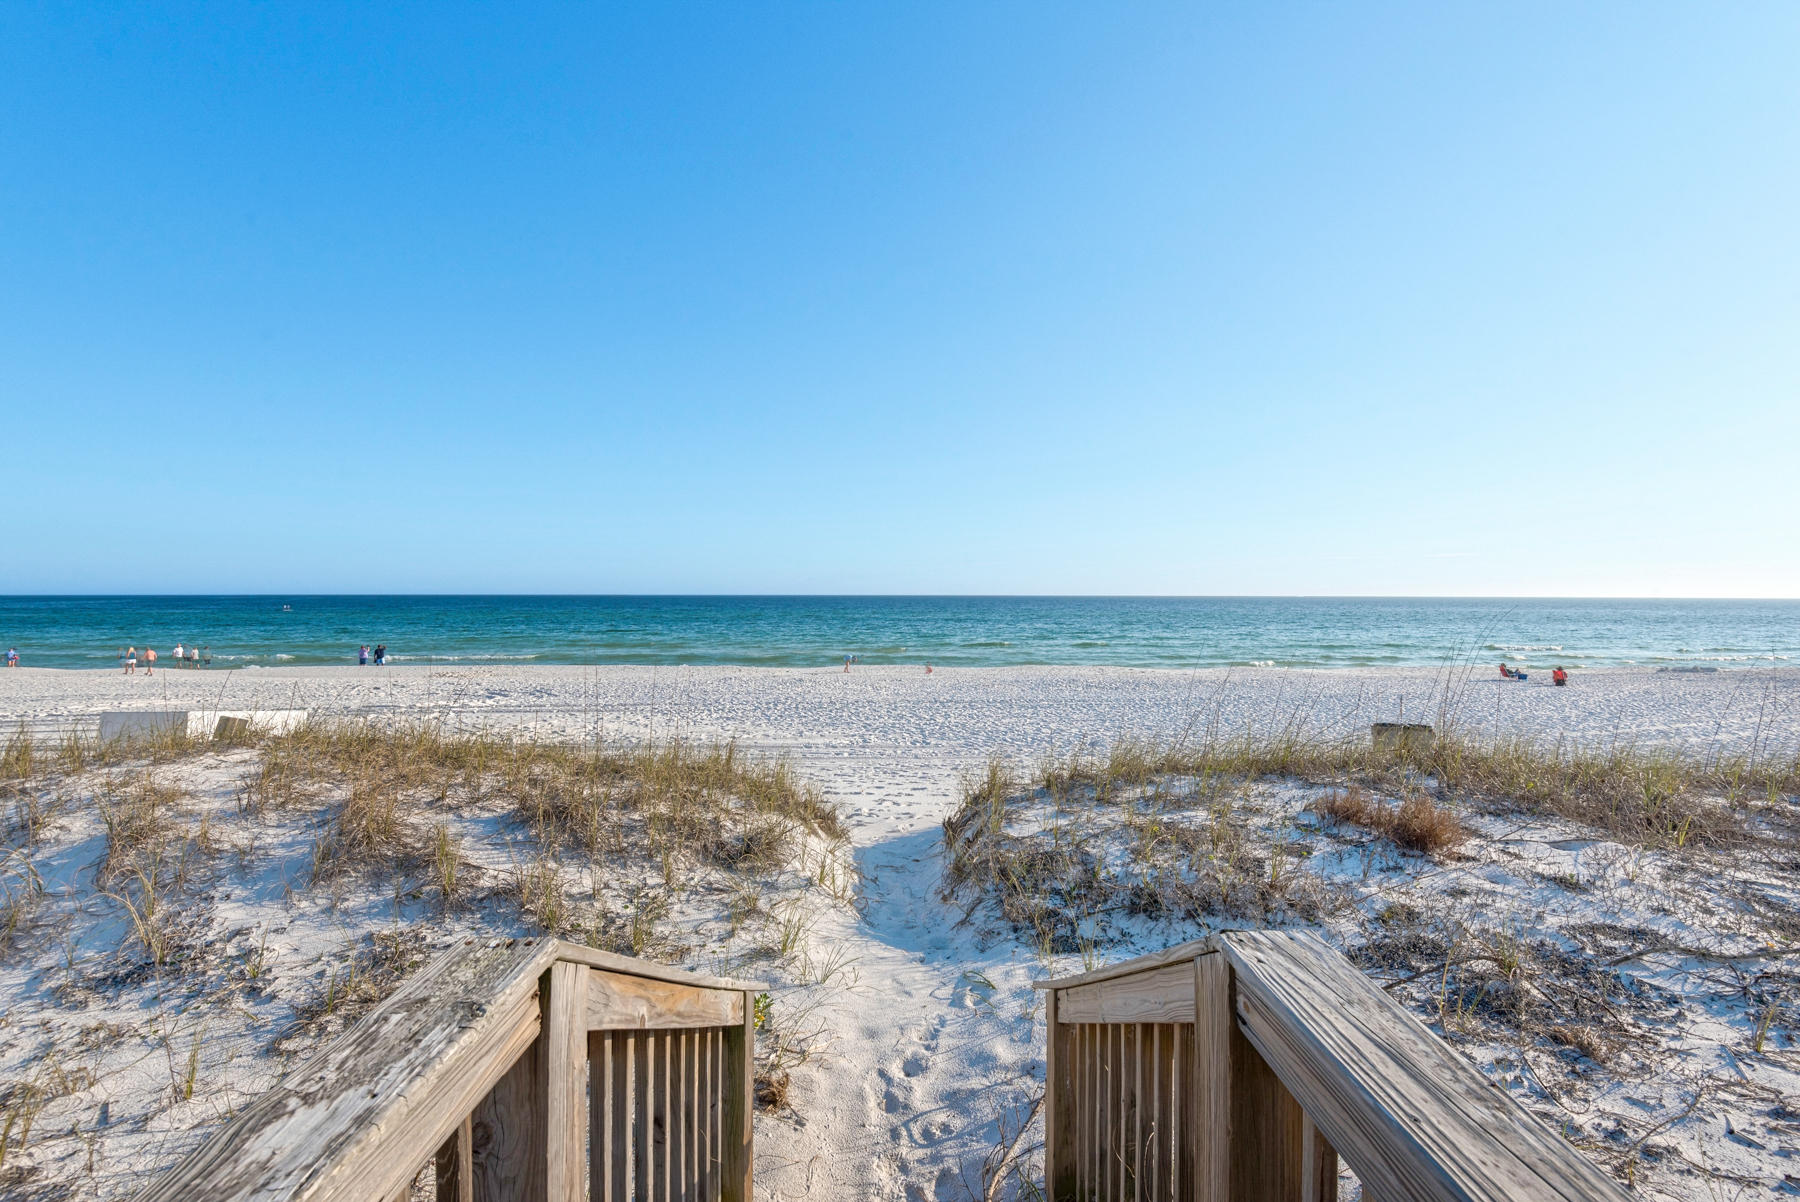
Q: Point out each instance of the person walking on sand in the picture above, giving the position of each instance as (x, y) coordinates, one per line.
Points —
(131, 661)
(149, 661)
(928, 669)
(846, 665)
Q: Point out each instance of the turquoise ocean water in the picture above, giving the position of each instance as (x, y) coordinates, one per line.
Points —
(87, 632)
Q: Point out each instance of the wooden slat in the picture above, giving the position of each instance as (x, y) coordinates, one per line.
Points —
(690, 1135)
(565, 997)
(1411, 1117)
(1084, 1112)
(601, 1100)
(659, 1137)
(715, 1090)
(1159, 1122)
(1214, 1028)
(1181, 953)
(611, 962)
(643, 1136)
(379, 1100)
(688, 1127)
(617, 1001)
(623, 1152)
(1159, 995)
(1134, 1082)
(1181, 1068)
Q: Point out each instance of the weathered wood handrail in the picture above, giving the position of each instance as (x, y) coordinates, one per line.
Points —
(527, 1071)
(1241, 1067)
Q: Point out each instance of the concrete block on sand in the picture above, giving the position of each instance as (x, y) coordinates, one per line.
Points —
(1414, 737)
(141, 724)
(199, 724)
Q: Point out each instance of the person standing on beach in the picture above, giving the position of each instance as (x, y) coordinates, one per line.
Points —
(380, 654)
(149, 661)
(12, 657)
(131, 661)
(178, 655)
(362, 656)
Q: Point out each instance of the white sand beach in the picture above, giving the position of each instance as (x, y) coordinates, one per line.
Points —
(955, 713)
(930, 1042)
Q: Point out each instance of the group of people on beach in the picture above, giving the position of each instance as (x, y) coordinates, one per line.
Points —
(1558, 676)
(188, 656)
(379, 655)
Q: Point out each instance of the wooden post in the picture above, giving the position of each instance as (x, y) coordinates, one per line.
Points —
(739, 1106)
(455, 1178)
(564, 1040)
(507, 1134)
(1059, 1148)
(1266, 1129)
(1215, 1027)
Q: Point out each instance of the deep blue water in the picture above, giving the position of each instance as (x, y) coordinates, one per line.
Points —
(87, 632)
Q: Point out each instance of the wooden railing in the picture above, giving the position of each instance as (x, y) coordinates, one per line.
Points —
(1243, 1066)
(515, 1071)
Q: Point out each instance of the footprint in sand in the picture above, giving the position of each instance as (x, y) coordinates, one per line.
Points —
(915, 1064)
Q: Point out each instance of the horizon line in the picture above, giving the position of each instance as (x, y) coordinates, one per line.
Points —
(924, 596)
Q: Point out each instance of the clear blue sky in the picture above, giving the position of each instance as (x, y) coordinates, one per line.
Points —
(1197, 298)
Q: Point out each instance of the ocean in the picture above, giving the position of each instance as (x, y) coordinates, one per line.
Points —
(1158, 632)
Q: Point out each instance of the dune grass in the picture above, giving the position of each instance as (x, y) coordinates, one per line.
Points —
(1645, 795)
(1177, 830)
(677, 804)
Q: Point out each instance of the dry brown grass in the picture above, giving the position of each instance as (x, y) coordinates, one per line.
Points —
(1417, 823)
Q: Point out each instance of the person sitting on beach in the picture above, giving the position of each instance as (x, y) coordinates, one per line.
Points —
(1559, 677)
(1506, 671)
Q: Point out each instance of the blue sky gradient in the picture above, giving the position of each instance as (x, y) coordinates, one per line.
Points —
(1410, 299)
